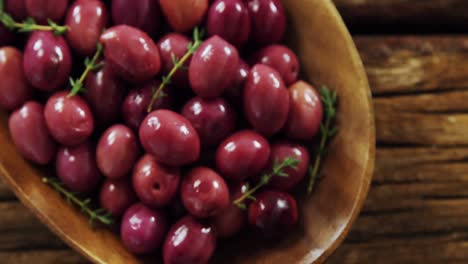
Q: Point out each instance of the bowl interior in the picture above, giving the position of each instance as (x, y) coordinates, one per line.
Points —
(328, 57)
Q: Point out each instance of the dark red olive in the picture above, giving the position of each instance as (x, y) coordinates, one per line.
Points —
(117, 151)
(17, 9)
(242, 155)
(230, 20)
(47, 61)
(183, 15)
(117, 196)
(171, 46)
(273, 214)
(7, 37)
(268, 21)
(41, 10)
(170, 138)
(143, 229)
(14, 88)
(204, 193)
(142, 14)
(236, 89)
(135, 105)
(155, 184)
(280, 58)
(76, 167)
(189, 241)
(305, 113)
(213, 119)
(131, 53)
(279, 152)
(213, 67)
(86, 19)
(30, 135)
(266, 100)
(230, 221)
(69, 119)
(105, 93)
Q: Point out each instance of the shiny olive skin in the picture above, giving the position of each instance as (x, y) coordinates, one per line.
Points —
(47, 61)
(86, 19)
(135, 105)
(69, 119)
(170, 138)
(176, 44)
(105, 93)
(213, 119)
(266, 100)
(142, 14)
(268, 21)
(17, 9)
(230, 20)
(131, 53)
(142, 229)
(279, 152)
(280, 58)
(306, 112)
(242, 155)
(117, 151)
(76, 167)
(204, 193)
(14, 88)
(184, 15)
(189, 241)
(235, 91)
(155, 184)
(232, 219)
(30, 135)
(41, 10)
(212, 67)
(117, 196)
(273, 214)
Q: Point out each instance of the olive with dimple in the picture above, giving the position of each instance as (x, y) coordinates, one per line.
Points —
(305, 113)
(280, 58)
(189, 241)
(117, 151)
(213, 67)
(76, 167)
(183, 15)
(268, 21)
(30, 135)
(155, 184)
(242, 155)
(86, 19)
(117, 196)
(68, 118)
(170, 138)
(131, 52)
(14, 88)
(47, 61)
(142, 14)
(213, 119)
(174, 45)
(42, 10)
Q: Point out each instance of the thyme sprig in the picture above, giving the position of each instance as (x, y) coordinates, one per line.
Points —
(29, 24)
(178, 65)
(91, 65)
(277, 171)
(327, 132)
(99, 214)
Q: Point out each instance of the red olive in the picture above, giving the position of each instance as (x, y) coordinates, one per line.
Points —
(266, 100)
(183, 15)
(30, 135)
(213, 67)
(42, 10)
(280, 58)
(242, 155)
(131, 52)
(17, 9)
(305, 113)
(86, 19)
(117, 196)
(170, 138)
(142, 14)
(155, 184)
(235, 91)
(268, 21)
(14, 88)
(117, 151)
(171, 46)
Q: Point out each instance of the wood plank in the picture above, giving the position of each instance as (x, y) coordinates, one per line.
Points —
(63, 256)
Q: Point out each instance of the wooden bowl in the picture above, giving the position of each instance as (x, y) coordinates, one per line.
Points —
(328, 57)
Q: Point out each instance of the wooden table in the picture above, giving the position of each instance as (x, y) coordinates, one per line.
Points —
(417, 209)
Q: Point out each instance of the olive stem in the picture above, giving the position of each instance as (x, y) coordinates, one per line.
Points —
(100, 214)
(91, 65)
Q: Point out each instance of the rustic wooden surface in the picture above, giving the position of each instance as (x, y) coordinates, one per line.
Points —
(417, 209)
